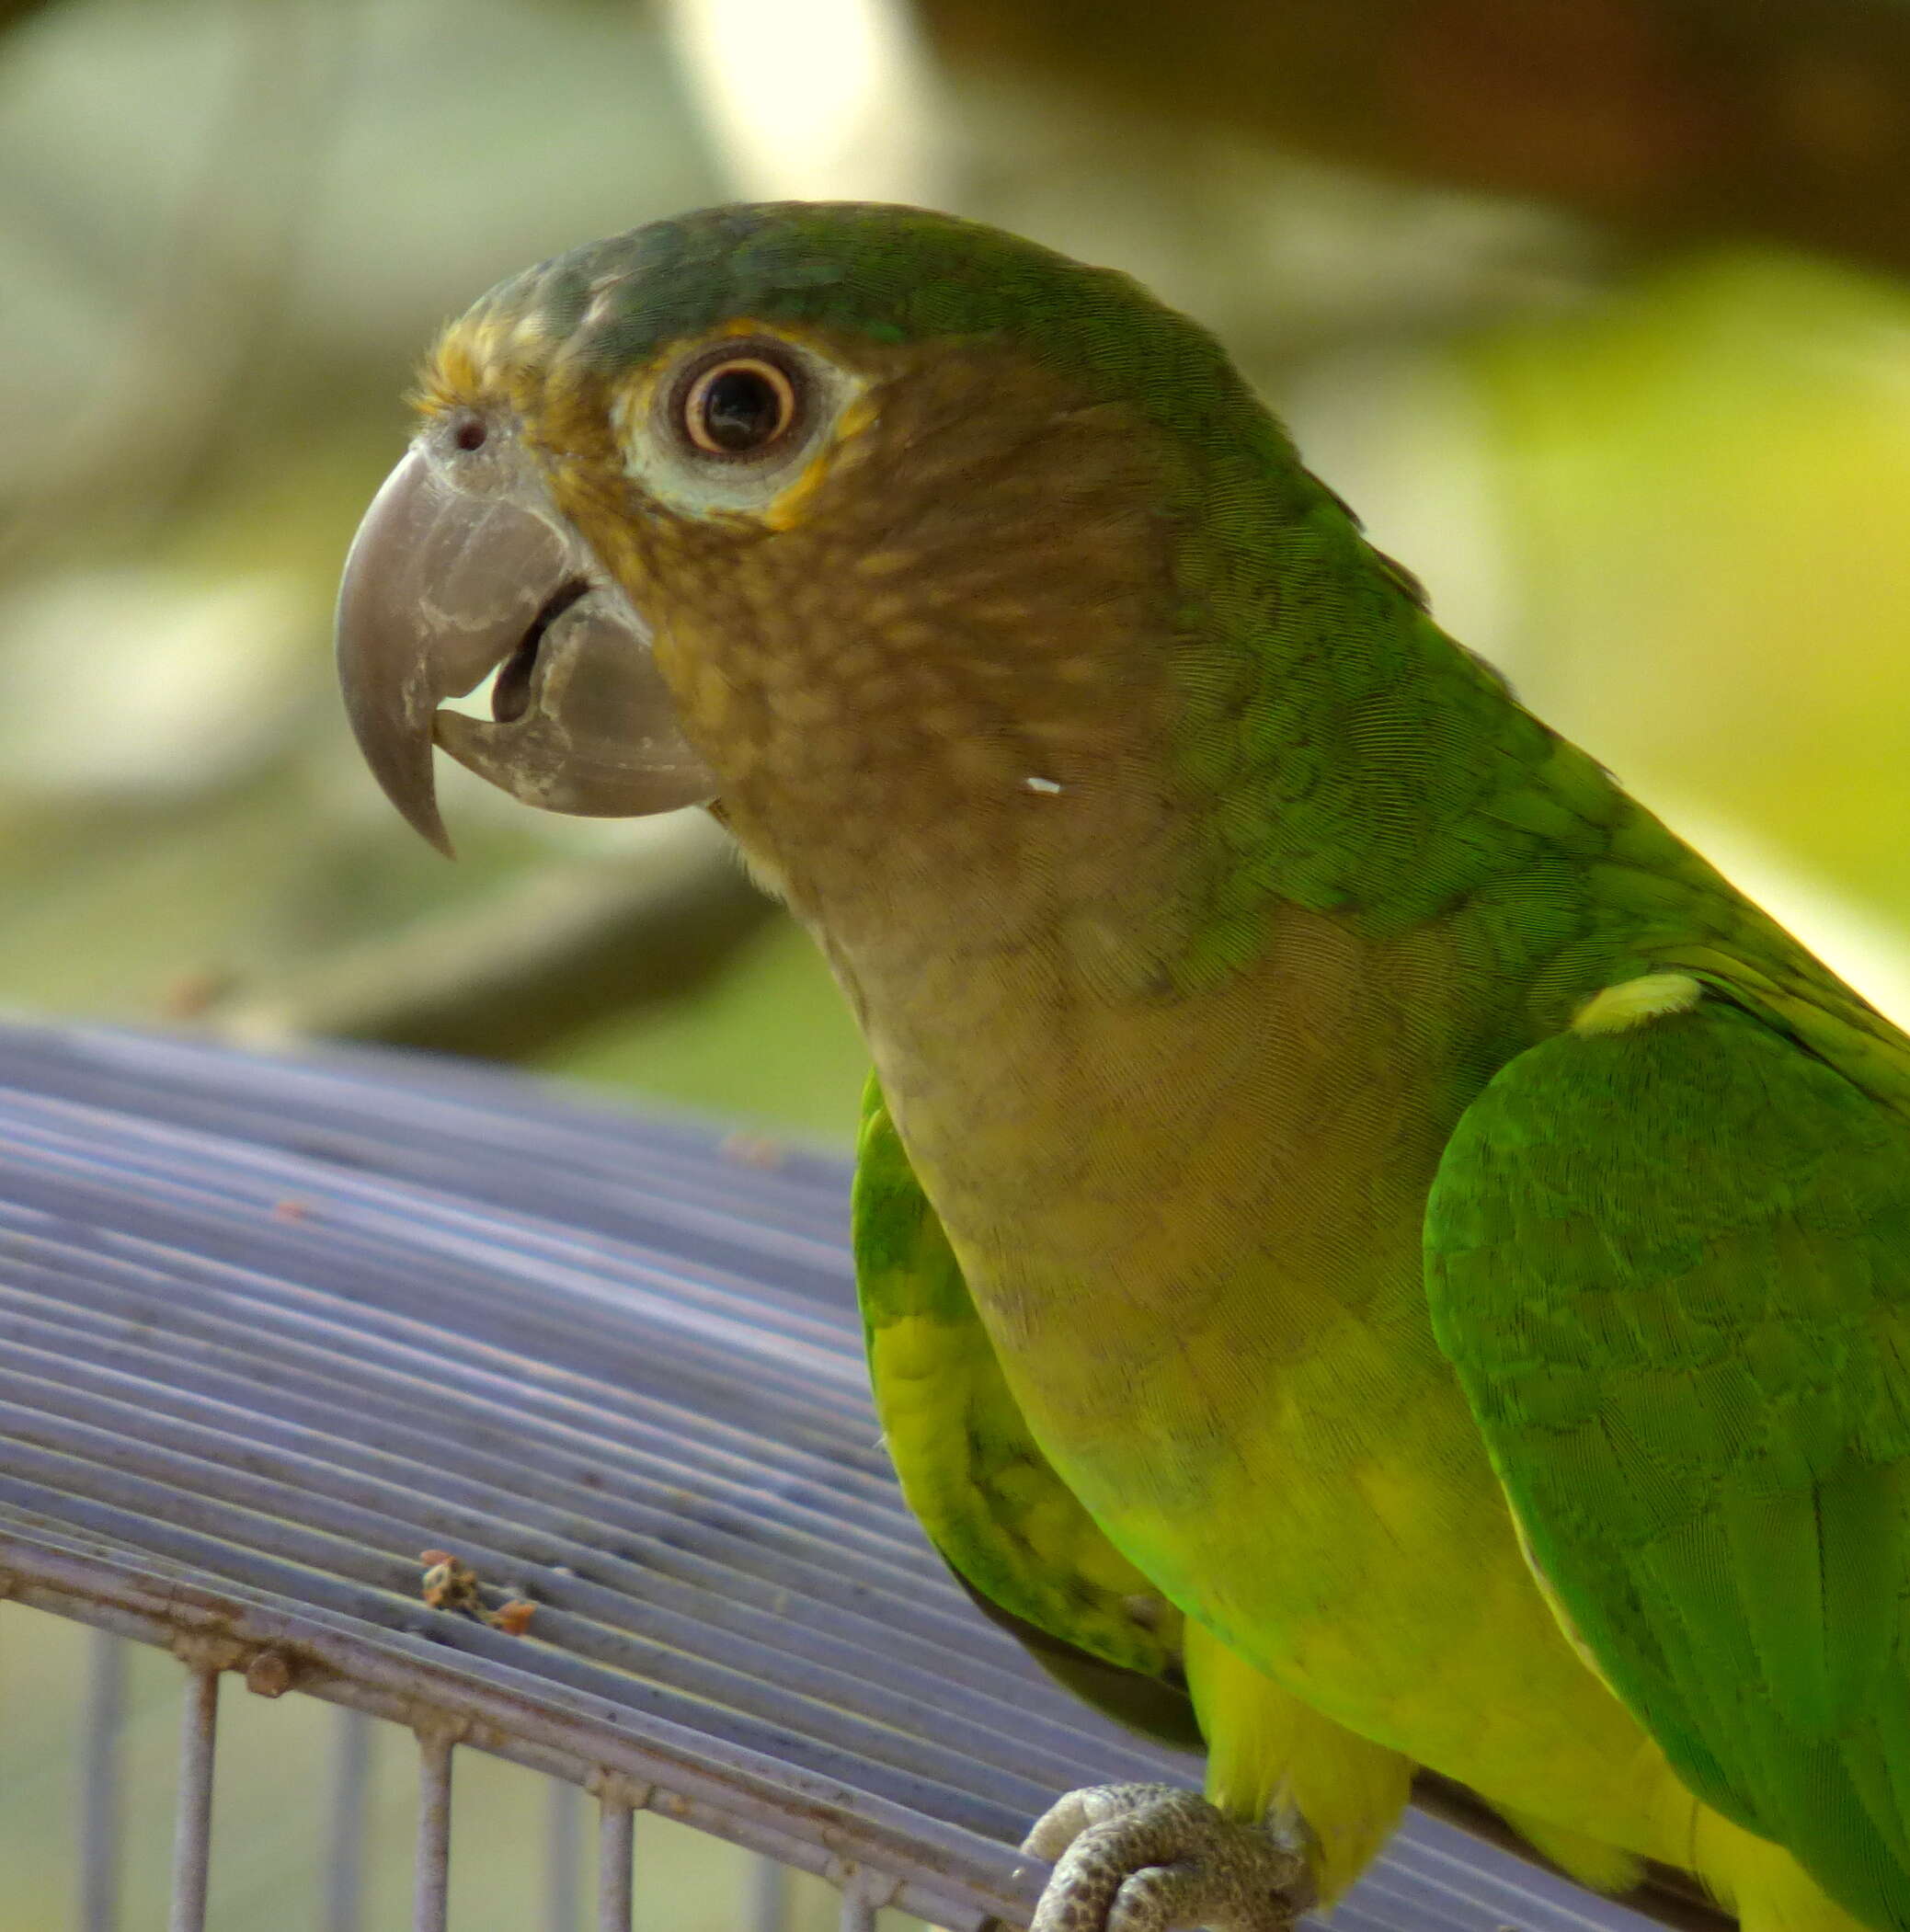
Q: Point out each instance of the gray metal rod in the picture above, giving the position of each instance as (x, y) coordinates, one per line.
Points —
(769, 1895)
(616, 1832)
(345, 1822)
(192, 1830)
(562, 1847)
(101, 1816)
(431, 1878)
(858, 1911)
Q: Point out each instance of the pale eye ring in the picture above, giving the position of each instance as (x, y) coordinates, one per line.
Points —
(742, 405)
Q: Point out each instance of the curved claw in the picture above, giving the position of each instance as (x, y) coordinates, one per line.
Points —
(1155, 1858)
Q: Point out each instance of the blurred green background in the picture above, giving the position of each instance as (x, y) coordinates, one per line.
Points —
(1596, 312)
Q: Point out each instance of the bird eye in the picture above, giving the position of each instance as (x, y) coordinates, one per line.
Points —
(739, 407)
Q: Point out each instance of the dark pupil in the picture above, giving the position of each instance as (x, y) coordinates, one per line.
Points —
(741, 410)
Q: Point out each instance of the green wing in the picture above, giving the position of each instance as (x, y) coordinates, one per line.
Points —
(1029, 1553)
(1671, 1267)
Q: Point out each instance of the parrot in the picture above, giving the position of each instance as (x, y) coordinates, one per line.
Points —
(1374, 1255)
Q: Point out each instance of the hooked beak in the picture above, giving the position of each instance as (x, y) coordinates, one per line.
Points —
(442, 585)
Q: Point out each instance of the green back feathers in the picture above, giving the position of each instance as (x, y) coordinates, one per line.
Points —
(1669, 1265)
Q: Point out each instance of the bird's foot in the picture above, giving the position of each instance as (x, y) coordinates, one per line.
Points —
(1154, 1859)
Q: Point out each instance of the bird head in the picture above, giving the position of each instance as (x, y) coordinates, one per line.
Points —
(773, 504)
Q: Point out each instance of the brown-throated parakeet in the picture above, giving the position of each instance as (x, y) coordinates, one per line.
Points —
(1353, 1216)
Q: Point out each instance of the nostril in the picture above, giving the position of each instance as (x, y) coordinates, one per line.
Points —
(511, 695)
(471, 432)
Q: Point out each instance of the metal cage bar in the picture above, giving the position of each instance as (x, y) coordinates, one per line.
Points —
(563, 1849)
(192, 1833)
(345, 1822)
(431, 1870)
(861, 1898)
(768, 1896)
(616, 1832)
(101, 1806)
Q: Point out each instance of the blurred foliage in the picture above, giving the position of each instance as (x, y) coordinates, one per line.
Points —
(1677, 120)
(770, 1044)
(1708, 496)
(1661, 474)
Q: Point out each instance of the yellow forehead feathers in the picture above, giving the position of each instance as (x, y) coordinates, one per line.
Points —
(479, 359)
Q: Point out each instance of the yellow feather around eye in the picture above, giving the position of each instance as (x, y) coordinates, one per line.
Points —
(788, 508)
(630, 406)
(747, 492)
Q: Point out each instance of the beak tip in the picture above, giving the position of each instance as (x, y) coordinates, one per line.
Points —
(400, 759)
(418, 808)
